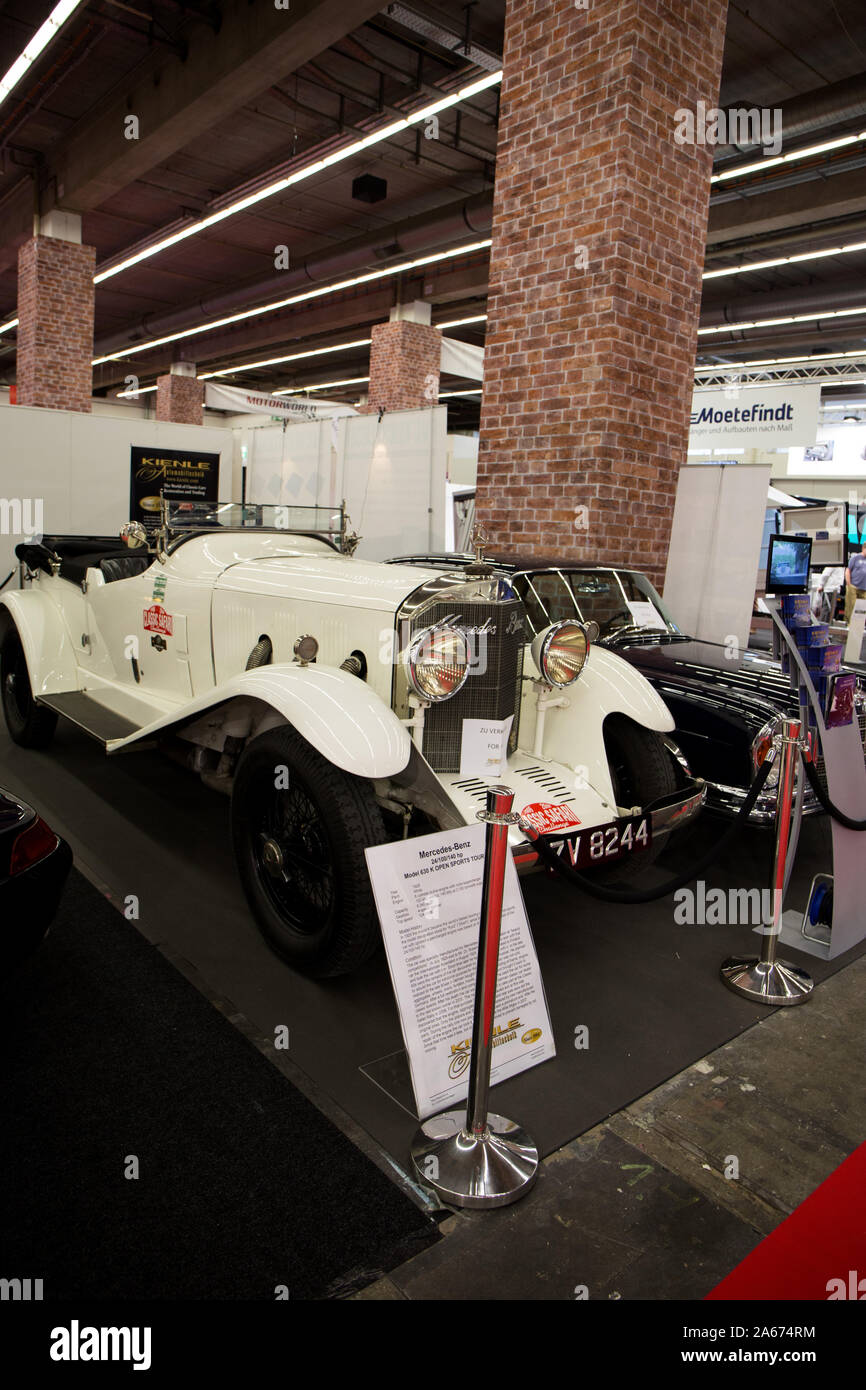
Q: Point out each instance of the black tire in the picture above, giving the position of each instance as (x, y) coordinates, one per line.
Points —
(29, 724)
(314, 904)
(641, 769)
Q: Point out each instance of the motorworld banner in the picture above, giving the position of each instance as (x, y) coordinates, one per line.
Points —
(219, 397)
(184, 475)
(754, 416)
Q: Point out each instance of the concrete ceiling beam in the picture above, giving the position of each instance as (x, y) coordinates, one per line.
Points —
(347, 316)
(178, 99)
(837, 195)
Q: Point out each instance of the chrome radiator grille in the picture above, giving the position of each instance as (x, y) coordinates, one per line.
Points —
(496, 632)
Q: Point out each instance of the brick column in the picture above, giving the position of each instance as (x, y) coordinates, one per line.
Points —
(595, 279)
(179, 398)
(404, 366)
(55, 323)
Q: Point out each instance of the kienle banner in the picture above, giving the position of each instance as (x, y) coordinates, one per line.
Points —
(182, 474)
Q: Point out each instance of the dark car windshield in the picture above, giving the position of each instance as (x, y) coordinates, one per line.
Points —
(615, 599)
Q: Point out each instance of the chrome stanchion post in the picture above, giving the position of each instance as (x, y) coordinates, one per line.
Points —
(765, 979)
(478, 1159)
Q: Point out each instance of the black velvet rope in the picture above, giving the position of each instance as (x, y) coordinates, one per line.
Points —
(626, 895)
(815, 784)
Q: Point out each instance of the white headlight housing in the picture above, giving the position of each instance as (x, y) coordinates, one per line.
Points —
(560, 652)
(437, 662)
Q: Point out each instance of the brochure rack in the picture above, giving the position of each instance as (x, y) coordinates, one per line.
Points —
(842, 750)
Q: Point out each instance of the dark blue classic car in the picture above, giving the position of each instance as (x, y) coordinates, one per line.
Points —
(725, 702)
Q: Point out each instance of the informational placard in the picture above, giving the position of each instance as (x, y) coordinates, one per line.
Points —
(428, 896)
(484, 747)
(646, 614)
(181, 474)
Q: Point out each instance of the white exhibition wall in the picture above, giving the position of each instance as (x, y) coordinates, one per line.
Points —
(78, 465)
(391, 473)
(715, 550)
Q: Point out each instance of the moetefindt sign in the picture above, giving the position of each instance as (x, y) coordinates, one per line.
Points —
(750, 417)
(182, 474)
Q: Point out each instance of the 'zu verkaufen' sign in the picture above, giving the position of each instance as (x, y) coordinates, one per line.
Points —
(754, 417)
(182, 474)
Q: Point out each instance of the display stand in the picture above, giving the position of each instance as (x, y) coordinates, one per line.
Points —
(842, 750)
(474, 1158)
(766, 979)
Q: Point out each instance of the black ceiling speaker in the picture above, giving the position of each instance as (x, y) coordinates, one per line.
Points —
(368, 189)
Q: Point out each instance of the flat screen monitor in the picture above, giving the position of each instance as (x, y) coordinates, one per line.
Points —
(788, 562)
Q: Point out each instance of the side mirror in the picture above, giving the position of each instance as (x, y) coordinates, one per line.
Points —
(133, 534)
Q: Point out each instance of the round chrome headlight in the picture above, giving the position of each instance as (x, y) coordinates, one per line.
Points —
(437, 662)
(560, 652)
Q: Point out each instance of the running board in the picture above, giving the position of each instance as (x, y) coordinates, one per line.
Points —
(101, 723)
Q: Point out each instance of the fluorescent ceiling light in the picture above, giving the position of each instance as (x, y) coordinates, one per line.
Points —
(41, 39)
(785, 260)
(475, 391)
(131, 395)
(451, 323)
(320, 386)
(291, 357)
(459, 323)
(306, 172)
(759, 164)
(303, 298)
(776, 323)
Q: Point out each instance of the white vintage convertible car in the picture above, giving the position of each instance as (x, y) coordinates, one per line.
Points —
(339, 702)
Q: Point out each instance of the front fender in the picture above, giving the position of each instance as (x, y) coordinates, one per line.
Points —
(336, 712)
(48, 651)
(574, 733)
(610, 685)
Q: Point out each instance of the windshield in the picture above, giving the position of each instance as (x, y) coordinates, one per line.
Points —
(183, 517)
(615, 599)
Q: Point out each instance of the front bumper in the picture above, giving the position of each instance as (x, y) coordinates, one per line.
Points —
(671, 813)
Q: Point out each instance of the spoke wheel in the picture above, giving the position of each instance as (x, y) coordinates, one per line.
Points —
(300, 827)
(295, 861)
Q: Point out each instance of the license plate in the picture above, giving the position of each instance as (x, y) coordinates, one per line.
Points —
(603, 844)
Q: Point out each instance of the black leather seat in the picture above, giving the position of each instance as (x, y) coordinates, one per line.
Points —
(124, 566)
(78, 554)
